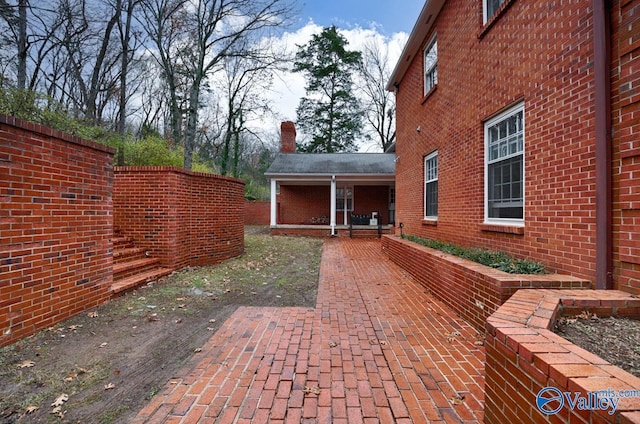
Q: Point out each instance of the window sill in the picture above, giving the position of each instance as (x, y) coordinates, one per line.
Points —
(499, 228)
(430, 221)
(429, 93)
(489, 24)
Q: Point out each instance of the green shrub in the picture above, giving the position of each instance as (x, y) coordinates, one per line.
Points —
(497, 260)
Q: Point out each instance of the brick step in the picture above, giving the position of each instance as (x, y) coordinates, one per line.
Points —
(136, 266)
(122, 285)
(127, 254)
(364, 234)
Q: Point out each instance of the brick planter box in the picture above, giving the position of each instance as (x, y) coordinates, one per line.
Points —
(524, 356)
(471, 290)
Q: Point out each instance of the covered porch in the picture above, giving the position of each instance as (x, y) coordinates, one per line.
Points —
(360, 198)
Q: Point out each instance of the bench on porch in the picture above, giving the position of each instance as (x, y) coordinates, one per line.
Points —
(366, 222)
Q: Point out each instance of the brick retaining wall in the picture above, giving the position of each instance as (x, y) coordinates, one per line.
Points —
(471, 290)
(257, 212)
(55, 227)
(184, 218)
(523, 355)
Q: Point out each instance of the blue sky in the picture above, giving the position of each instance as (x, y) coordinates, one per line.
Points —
(389, 17)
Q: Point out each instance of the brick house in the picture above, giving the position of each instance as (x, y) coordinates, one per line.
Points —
(318, 194)
(517, 127)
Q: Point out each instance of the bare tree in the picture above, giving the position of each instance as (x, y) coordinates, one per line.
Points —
(375, 73)
(192, 37)
(247, 75)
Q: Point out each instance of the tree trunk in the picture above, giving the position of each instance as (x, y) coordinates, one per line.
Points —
(22, 44)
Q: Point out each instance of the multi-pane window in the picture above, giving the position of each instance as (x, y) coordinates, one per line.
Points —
(430, 65)
(344, 199)
(431, 185)
(490, 7)
(505, 165)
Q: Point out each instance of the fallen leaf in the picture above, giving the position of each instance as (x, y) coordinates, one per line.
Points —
(81, 370)
(479, 343)
(104, 344)
(60, 400)
(178, 321)
(31, 409)
(212, 320)
(93, 314)
(109, 386)
(196, 350)
(315, 390)
(383, 342)
(181, 299)
(153, 317)
(58, 411)
(333, 344)
(210, 328)
(26, 364)
(70, 377)
(457, 399)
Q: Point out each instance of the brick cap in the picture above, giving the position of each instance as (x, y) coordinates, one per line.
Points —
(50, 132)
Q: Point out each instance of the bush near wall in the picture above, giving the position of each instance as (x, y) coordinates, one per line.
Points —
(184, 218)
(55, 227)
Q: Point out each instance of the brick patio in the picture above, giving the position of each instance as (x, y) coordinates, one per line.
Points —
(376, 349)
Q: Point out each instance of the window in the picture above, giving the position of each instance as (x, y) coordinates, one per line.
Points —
(431, 185)
(344, 199)
(490, 7)
(430, 65)
(504, 138)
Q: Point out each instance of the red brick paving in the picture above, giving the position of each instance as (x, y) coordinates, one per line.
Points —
(376, 349)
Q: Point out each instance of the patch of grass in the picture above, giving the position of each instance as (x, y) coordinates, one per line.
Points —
(154, 391)
(493, 259)
(112, 415)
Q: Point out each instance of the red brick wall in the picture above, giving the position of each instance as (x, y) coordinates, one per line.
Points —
(524, 355)
(625, 22)
(55, 227)
(471, 290)
(536, 52)
(299, 204)
(257, 212)
(372, 198)
(182, 217)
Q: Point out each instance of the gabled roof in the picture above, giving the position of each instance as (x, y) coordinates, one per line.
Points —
(328, 164)
(421, 29)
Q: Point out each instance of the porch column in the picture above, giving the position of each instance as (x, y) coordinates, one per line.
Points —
(273, 203)
(333, 205)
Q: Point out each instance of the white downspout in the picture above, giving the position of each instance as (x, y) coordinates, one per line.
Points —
(333, 205)
(273, 222)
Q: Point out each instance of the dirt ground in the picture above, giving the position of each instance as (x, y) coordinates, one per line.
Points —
(616, 340)
(103, 366)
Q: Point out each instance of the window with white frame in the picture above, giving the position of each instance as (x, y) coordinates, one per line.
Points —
(504, 141)
(430, 65)
(489, 8)
(344, 199)
(431, 185)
